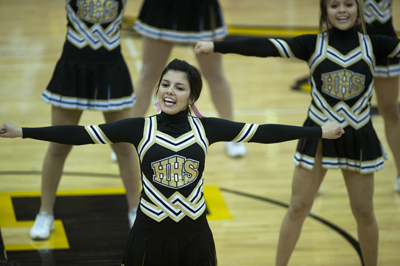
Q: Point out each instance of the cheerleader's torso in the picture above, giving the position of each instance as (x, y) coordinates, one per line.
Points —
(94, 25)
(172, 171)
(341, 78)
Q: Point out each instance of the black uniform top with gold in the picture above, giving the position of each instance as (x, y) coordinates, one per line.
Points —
(171, 226)
(91, 73)
(378, 18)
(341, 65)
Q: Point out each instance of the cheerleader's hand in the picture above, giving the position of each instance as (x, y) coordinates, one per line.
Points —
(203, 48)
(332, 130)
(8, 130)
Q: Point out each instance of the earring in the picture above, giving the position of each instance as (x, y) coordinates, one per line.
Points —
(358, 22)
(329, 24)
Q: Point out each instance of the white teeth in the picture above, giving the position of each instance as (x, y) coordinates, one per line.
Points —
(169, 101)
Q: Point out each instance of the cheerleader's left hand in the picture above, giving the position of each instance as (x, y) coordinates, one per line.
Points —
(9, 130)
(332, 130)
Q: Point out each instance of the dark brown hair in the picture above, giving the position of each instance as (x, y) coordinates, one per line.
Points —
(193, 75)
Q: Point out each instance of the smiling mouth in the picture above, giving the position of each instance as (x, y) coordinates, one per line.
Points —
(343, 19)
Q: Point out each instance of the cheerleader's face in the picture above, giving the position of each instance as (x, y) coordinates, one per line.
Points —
(174, 92)
(342, 13)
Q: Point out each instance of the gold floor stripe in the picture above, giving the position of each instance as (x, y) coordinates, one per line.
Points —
(261, 31)
(16, 233)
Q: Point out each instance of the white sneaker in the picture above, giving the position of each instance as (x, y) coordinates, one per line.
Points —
(235, 149)
(113, 156)
(319, 192)
(44, 224)
(397, 184)
(132, 217)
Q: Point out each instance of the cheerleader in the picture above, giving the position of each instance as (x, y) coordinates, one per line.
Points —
(378, 18)
(90, 75)
(342, 64)
(171, 226)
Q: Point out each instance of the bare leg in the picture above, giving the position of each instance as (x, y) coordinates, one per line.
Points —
(211, 68)
(387, 92)
(55, 158)
(128, 161)
(361, 189)
(155, 55)
(304, 189)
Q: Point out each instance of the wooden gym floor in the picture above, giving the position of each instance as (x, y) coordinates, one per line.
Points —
(247, 197)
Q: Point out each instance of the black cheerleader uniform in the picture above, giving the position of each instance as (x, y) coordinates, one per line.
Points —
(171, 226)
(181, 20)
(378, 18)
(341, 66)
(91, 73)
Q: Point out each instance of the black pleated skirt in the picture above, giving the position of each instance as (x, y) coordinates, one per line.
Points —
(357, 150)
(181, 20)
(184, 243)
(90, 81)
